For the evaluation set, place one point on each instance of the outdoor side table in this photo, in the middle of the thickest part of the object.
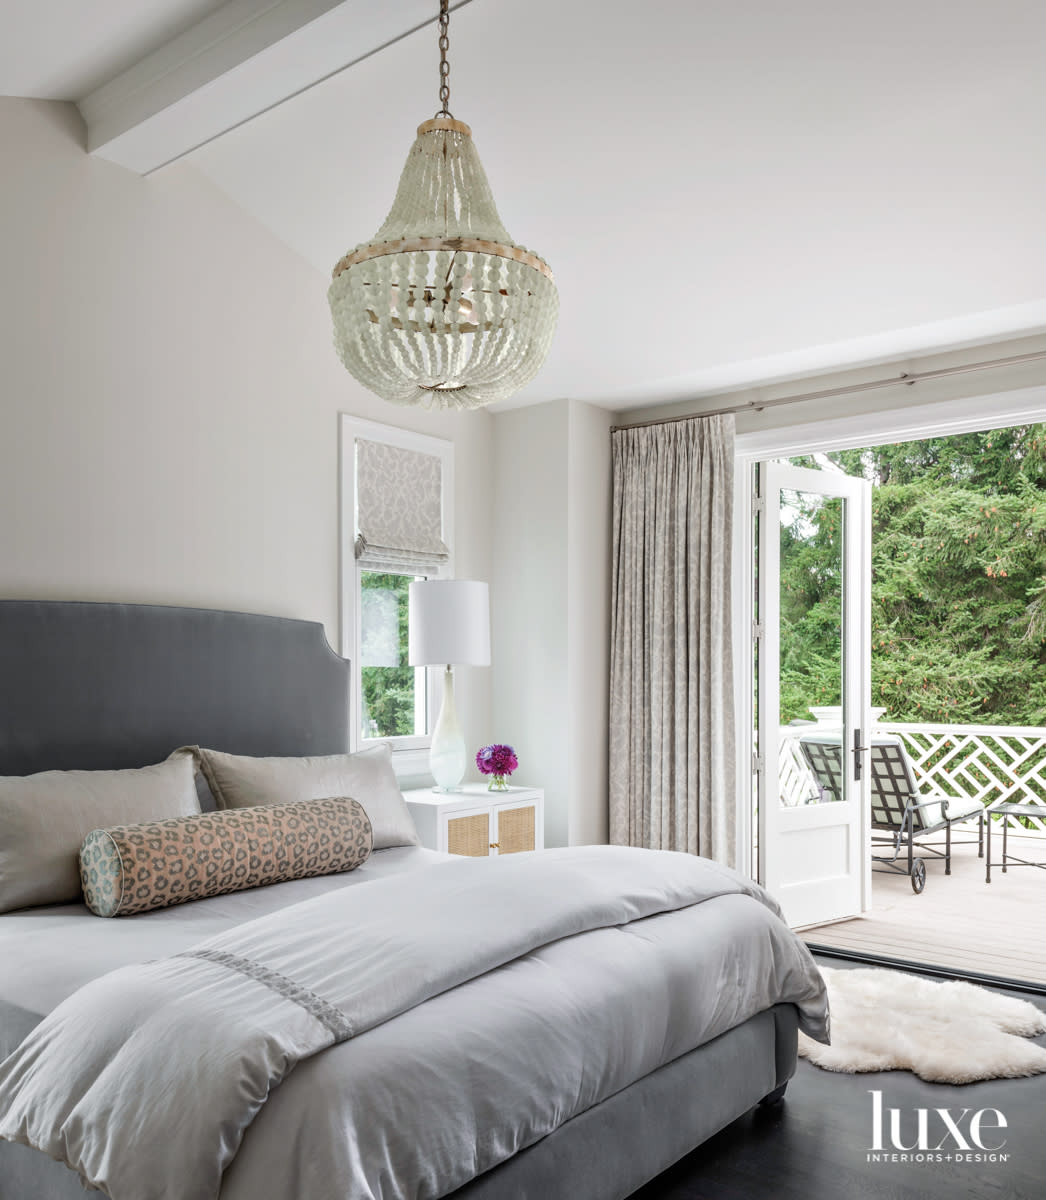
(1011, 810)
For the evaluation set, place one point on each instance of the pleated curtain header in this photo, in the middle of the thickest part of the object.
(399, 509)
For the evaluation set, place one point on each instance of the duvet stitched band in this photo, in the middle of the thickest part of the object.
(315, 1005)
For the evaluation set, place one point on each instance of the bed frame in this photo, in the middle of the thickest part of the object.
(97, 686)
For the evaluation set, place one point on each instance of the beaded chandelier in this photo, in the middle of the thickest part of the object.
(441, 308)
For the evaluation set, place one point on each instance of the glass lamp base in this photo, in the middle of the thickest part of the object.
(447, 755)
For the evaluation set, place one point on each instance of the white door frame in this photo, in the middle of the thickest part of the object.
(813, 857)
(997, 410)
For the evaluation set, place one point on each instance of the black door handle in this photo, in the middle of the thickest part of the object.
(858, 748)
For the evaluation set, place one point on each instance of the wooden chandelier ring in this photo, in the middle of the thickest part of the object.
(446, 124)
(411, 245)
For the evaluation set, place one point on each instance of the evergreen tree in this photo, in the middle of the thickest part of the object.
(958, 582)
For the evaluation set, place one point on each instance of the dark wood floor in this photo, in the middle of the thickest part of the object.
(814, 1145)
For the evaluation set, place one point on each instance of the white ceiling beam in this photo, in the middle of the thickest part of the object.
(246, 57)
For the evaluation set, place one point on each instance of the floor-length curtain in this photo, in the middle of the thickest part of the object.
(672, 770)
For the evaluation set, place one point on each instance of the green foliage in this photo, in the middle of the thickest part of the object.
(811, 603)
(958, 582)
(387, 691)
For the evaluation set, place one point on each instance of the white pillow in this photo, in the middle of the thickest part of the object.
(238, 781)
(44, 818)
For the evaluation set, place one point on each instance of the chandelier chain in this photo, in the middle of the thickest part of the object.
(444, 66)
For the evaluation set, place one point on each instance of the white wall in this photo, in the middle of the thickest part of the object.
(170, 397)
(588, 621)
(550, 602)
(529, 601)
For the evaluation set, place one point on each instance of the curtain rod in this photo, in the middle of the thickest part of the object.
(907, 378)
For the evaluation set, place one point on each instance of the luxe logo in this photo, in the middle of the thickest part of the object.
(936, 1129)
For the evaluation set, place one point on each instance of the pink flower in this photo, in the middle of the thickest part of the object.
(496, 760)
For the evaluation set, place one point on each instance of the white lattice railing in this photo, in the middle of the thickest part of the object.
(794, 777)
(986, 762)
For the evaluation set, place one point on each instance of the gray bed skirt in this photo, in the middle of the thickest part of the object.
(595, 1156)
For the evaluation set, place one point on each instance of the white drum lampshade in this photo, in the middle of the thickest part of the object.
(449, 624)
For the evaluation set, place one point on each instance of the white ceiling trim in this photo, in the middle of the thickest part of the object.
(905, 422)
(233, 65)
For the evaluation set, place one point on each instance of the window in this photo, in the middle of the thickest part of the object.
(397, 490)
(392, 693)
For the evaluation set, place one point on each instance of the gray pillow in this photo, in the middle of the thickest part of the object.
(45, 817)
(237, 781)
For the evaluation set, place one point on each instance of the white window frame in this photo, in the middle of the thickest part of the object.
(410, 754)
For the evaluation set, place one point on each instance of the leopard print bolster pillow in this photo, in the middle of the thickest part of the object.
(135, 868)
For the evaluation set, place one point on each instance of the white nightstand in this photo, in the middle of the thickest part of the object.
(477, 821)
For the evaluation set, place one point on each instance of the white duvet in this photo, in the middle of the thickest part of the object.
(472, 1008)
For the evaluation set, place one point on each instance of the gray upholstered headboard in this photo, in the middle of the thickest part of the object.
(96, 686)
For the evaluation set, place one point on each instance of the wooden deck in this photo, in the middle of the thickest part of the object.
(959, 920)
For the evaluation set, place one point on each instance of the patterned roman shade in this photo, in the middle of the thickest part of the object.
(399, 509)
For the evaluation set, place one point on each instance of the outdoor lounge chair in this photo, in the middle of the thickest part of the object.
(901, 816)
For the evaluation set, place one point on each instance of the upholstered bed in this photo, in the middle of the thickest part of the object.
(578, 1056)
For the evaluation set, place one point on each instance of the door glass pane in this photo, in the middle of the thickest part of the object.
(757, 616)
(812, 764)
(392, 693)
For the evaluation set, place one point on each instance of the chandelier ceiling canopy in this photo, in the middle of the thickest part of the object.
(441, 309)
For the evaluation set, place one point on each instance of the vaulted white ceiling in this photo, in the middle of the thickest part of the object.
(64, 49)
(728, 191)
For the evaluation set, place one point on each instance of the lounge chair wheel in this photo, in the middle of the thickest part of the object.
(918, 876)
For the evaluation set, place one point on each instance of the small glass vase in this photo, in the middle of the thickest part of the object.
(498, 783)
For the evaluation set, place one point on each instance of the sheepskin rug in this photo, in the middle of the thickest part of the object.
(945, 1032)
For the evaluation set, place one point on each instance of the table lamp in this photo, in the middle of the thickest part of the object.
(449, 623)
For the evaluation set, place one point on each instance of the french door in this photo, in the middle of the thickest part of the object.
(813, 651)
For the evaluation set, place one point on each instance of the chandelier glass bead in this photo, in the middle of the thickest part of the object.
(441, 308)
